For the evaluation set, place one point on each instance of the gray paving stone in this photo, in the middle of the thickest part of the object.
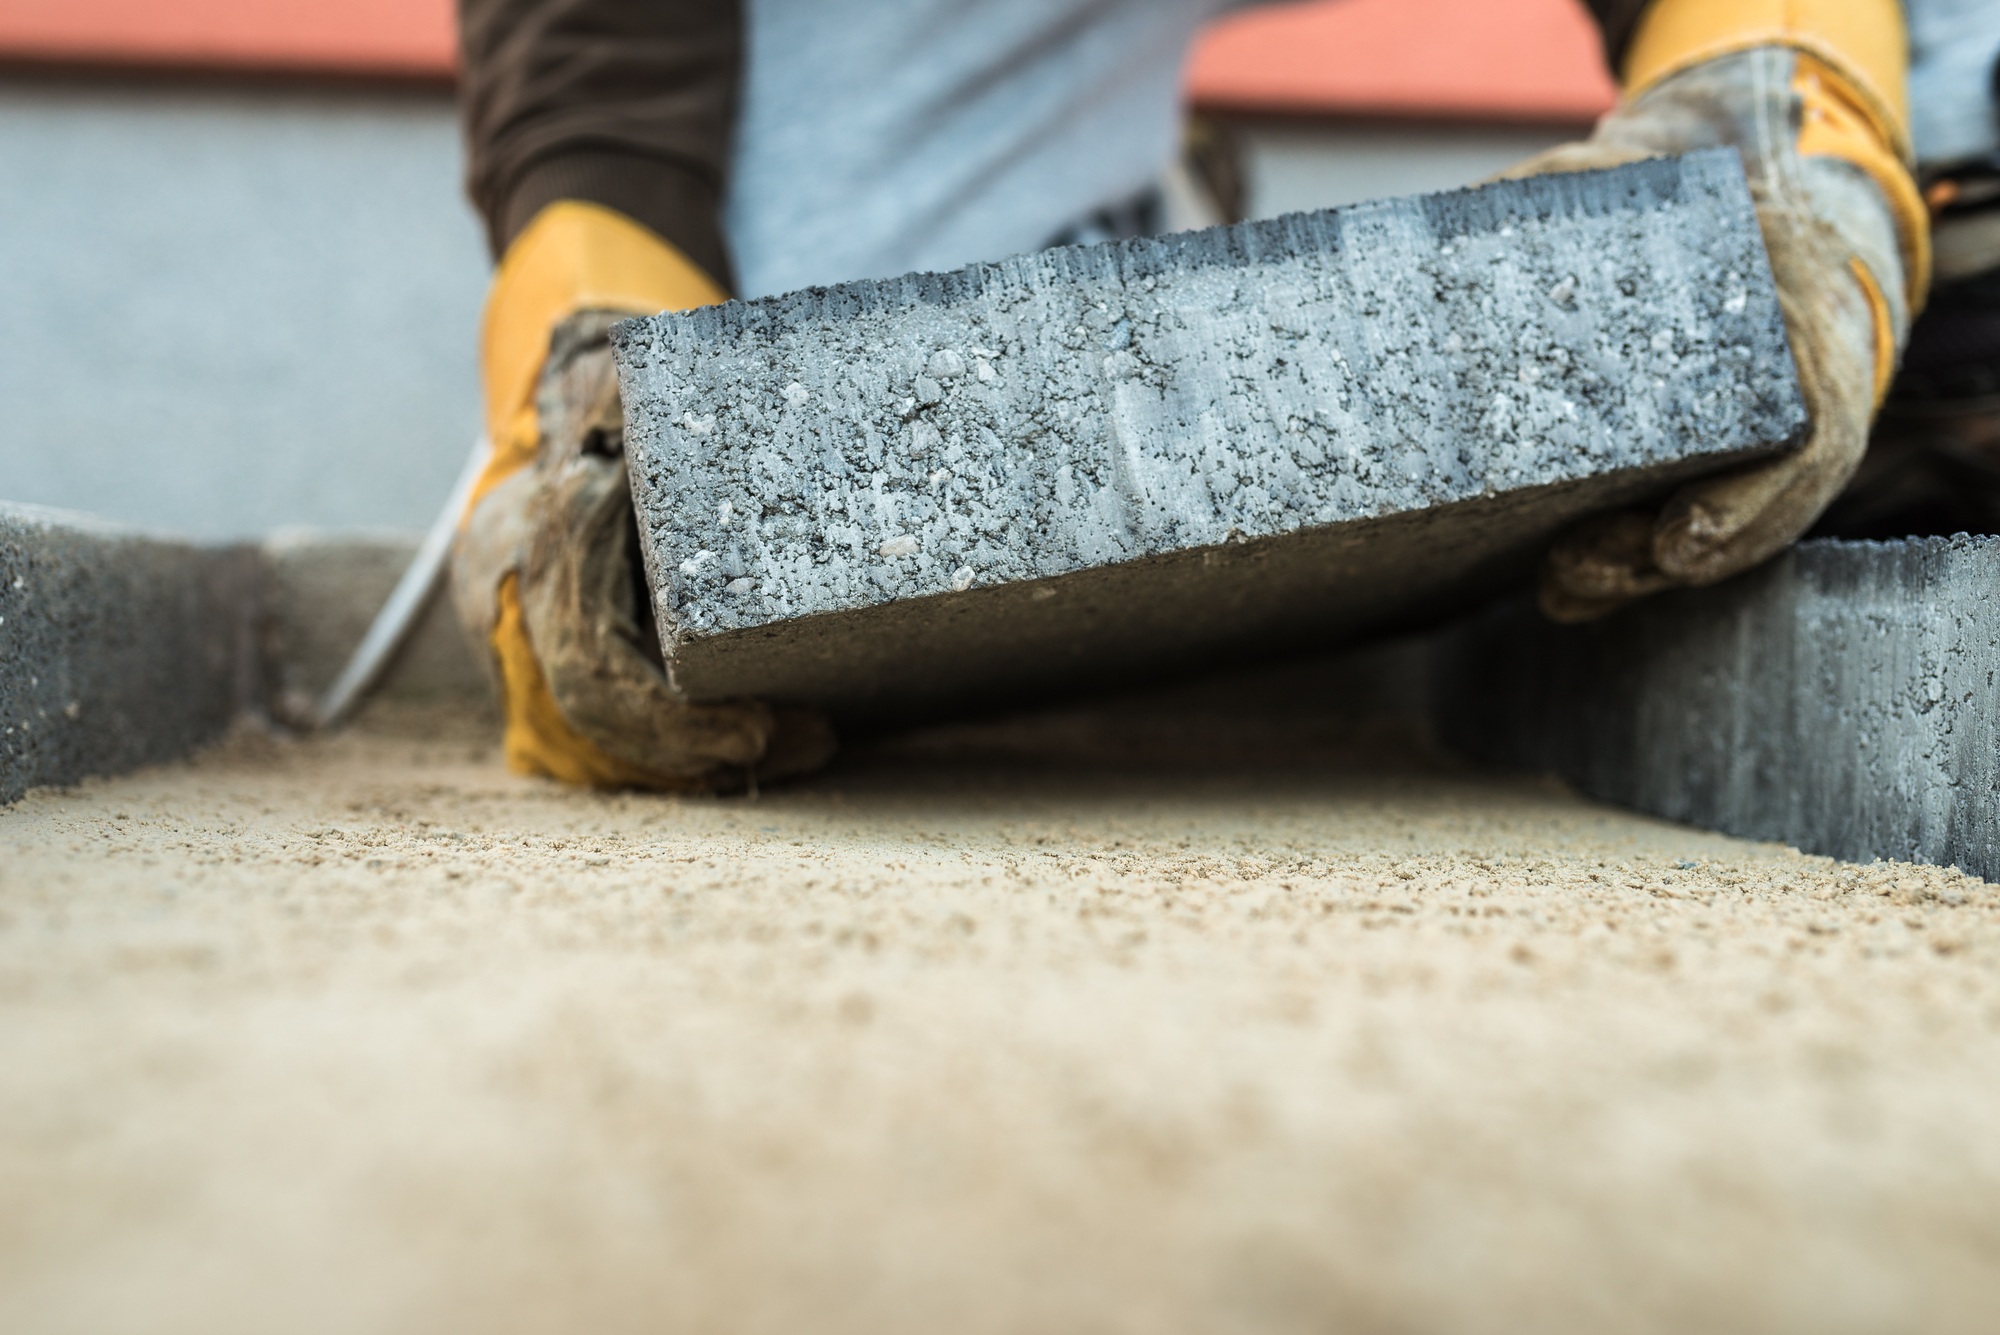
(1844, 700)
(117, 649)
(1088, 465)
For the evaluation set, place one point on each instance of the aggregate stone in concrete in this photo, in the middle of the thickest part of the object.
(117, 649)
(1090, 464)
(1844, 700)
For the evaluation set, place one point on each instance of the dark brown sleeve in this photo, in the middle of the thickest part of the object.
(1616, 19)
(624, 103)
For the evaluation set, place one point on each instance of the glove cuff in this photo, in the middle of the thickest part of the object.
(572, 257)
(1851, 78)
(1864, 42)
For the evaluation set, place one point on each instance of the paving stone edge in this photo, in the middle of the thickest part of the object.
(1844, 700)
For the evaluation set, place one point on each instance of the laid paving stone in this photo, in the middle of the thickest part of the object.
(1089, 465)
(1844, 699)
(117, 649)
(120, 648)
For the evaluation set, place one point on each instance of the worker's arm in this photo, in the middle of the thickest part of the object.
(1812, 93)
(627, 104)
(1616, 20)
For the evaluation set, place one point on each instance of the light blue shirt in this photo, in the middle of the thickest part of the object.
(877, 137)
(1953, 44)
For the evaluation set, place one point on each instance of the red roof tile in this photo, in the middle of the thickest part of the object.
(360, 37)
(1485, 59)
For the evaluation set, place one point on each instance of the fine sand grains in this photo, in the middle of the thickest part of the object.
(368, 1035)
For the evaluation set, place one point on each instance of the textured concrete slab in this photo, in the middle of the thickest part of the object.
(117, 648)
(1086, 465)
(1845, 700)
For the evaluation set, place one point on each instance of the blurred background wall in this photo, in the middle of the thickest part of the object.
(241, 285)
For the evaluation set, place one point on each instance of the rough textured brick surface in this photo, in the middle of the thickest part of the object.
(117, 649)
(1844, 699)
(1083, 464)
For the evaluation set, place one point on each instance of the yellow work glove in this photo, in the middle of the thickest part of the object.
(1812, 93)
(545, 572)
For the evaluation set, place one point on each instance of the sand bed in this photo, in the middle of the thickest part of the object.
(367, 1035)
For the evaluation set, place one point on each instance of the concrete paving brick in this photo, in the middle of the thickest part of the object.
(117, 648)
(1844, 700)
(1088, 465)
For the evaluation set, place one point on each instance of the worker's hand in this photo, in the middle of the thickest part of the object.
(1818, 119)
(546, 571)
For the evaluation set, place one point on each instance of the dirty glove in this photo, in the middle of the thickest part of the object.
(1812, 94)
(546, 568)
